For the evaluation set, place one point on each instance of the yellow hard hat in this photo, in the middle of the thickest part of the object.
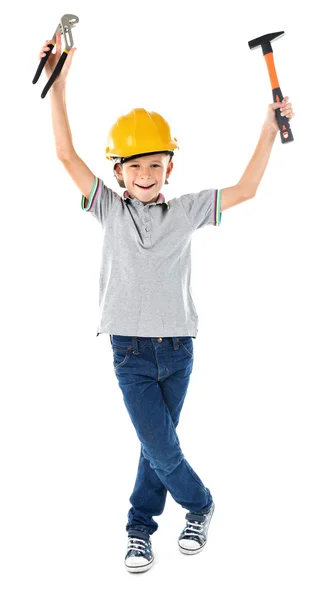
(139, 132)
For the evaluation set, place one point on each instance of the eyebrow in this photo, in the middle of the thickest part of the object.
(156, 162)
(137, 160)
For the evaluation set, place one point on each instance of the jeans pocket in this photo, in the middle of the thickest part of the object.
(121, 355)
(187, 345)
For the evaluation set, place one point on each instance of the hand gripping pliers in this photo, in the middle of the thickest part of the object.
(65, 25)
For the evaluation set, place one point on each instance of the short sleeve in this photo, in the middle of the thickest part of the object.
(203, 208)
(100, 201)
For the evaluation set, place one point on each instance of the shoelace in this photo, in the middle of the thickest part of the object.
(137, 544)
(193, 527)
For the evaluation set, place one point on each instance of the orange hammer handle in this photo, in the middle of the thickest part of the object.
(269, 58)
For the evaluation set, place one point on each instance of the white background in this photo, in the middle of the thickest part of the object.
(249, 425)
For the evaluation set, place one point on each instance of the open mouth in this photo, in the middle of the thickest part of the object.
(146, 187)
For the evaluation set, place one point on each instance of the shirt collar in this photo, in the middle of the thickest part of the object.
(160, 199)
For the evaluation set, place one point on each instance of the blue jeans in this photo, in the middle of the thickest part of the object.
(153, 375)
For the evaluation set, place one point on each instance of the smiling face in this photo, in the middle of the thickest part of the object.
(145, 176)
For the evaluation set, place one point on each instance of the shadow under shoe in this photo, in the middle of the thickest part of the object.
(139, 555)
(194, 535)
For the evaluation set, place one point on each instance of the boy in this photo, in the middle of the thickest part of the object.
(145, 298)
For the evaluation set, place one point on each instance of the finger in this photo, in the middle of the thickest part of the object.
(281, 105)
(44, 51)
(71, 53)
(58, 41)
(287, 108)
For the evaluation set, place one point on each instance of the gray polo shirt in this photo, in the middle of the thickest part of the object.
(145, 276)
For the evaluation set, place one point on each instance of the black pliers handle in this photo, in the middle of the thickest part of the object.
(64, 27)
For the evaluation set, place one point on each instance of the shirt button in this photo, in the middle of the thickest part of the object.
(159, 339)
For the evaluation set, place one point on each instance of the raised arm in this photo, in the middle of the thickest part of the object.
(247, 187)
(77, 169)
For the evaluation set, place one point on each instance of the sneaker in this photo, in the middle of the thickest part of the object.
(194, 535)
(139, 556)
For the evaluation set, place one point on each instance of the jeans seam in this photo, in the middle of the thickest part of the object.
(127, 355)
(189, 354)
(173, 428)
(199, 483)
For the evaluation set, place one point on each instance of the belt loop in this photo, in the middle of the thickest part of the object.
(135, 345)
(111, 339)
(175, 343)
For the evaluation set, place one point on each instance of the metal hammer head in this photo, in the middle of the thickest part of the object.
(264, 40)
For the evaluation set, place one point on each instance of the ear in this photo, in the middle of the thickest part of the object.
(169, 169)
(118, 171)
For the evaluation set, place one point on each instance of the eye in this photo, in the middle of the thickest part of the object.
(151, 166)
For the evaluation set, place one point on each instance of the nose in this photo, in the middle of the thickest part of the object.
(145, 171)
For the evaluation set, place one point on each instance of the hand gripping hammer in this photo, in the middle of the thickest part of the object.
(264, 42)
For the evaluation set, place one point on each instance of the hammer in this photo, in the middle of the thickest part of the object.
(264, 42)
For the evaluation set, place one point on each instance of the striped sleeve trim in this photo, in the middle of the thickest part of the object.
(217, 203)
(87, 203)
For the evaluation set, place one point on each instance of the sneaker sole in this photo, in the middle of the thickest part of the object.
(195, 551)
(140, 569)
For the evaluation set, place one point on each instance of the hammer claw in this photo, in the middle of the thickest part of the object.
(264, 40)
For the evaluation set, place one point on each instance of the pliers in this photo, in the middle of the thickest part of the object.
(64, 27)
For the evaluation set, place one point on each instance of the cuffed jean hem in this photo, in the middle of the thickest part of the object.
(139, 533)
